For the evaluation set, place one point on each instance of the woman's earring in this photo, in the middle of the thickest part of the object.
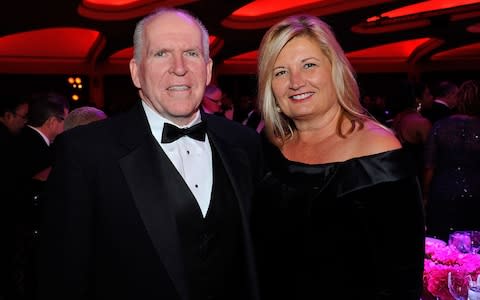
(278, 109)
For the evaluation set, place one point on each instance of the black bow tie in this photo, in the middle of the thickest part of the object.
(172, 133)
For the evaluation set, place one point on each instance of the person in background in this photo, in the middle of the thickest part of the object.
(452, 164)
(141, 209)
(34, 149)
(339, 210)
(253, 118)
(444, 101)
(410, 127)
(46, 115)
(424, 99)
(82, 116)
(212, 100)
(13, 117)
(227, 107)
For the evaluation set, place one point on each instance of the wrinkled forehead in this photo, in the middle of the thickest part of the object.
(173, 24)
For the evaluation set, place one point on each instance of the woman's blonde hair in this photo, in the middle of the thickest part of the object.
(276, 123)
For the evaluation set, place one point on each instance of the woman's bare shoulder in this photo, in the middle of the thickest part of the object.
(374, 138)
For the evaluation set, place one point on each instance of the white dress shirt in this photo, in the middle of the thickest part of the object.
(191, 158)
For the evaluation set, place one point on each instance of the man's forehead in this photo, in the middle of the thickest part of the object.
(174, 22)
(175, 29)
(174, 42)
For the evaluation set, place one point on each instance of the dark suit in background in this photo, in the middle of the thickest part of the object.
(36, 156)
(47, 110)
(439, 111)
(444, 103)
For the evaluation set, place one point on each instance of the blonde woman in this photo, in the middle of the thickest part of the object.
(340, 210)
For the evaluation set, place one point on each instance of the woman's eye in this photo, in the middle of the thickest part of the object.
(309, 65)
(279, 73)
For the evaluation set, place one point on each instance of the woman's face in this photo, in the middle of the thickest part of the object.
(302, 80)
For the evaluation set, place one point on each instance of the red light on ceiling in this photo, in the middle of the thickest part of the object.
(467, 52)
(110, 2)
(123, 54)
(251, 56)
(75, 43)
(123, 9)
(423, 7)
(393, 50)
(263, 7)
(475, 28)
(264, 13)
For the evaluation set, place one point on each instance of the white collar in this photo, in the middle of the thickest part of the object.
(45, 138)
(157, 121)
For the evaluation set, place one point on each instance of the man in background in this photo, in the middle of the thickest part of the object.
(46, 115)
(445, 101)
(212, 100)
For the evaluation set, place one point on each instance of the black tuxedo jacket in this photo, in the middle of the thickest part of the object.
(108, 231)
(33, 156)
(439, 111)
(34, 153)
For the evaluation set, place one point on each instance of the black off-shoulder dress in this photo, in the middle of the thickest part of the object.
(354, 229)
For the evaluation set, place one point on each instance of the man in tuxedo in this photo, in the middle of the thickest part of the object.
(46, 114)
(141, 209)
(445, 101)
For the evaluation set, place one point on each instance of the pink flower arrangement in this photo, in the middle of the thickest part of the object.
(441, 259)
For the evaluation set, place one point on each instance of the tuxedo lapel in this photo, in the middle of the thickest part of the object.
(235, 162)
(142, 168)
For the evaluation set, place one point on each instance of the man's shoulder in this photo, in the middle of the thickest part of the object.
(29, 137)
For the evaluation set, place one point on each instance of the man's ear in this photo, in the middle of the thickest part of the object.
(134, 73)
(209, 71)
(8, 115)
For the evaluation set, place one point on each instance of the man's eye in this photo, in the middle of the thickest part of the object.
(160, 53)
(192, 53)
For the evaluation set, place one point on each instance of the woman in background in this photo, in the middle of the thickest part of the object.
(340, 210)
(452, 172)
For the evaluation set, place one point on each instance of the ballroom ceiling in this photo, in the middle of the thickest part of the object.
(88, 37)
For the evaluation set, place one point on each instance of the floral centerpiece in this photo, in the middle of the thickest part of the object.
(441, 259)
